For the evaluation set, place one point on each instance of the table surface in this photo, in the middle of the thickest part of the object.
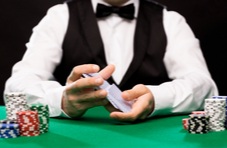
(96, 129)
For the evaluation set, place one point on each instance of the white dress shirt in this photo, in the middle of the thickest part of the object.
(183, 59)
(117, 34)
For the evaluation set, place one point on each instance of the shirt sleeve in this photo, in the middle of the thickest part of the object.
(191, 81)
(33, 75)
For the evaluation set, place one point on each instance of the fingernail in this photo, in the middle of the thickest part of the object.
(126, 93)
(96, 67)
(102, 93)
(98, 80)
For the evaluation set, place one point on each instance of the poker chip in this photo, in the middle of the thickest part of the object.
(198, 112)
(9, 129)
(185, 123)
(8, 126)
(9, 133)
(5, 121)
(30, 133)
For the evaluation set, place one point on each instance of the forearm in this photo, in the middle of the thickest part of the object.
(183, 95)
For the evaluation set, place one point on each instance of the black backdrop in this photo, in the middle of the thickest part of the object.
(207, 18)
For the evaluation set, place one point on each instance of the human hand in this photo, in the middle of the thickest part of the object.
(79, 94)
(142, 107)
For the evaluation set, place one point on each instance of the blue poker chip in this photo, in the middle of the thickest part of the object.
(9, 133)
(9, 126)
(6, 121)
(219, 97)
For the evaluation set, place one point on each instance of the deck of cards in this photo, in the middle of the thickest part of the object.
(114, 95)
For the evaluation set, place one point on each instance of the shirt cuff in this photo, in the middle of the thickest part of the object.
(162, 105)
(63, 114)
(54, 98)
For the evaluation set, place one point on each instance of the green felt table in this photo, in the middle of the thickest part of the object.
(97, 129)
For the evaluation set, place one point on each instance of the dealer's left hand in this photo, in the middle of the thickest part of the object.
(141, 108)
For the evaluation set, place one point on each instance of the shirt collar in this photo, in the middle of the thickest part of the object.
(135, 2)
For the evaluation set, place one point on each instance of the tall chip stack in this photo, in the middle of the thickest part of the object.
(215, 109)
(15, 102)
(223, 97)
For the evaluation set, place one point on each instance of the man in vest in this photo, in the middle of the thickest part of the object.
(148, 52)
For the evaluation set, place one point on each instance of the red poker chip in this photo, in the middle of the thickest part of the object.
(29, 129)
(185, 123)
(198, 112)
(27, 112)
(28, 121)
(30, 133)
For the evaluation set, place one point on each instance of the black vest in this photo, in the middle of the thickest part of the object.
(83, 44)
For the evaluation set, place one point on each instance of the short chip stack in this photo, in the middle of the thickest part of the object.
(28, 123)
(23, 119)
(198, 124)
(9, 129)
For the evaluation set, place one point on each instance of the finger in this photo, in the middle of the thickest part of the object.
(135, 92)
(79, 70)
(133, 115)
(129, 117)
(82, 85)
(143, 106)
(107, 71)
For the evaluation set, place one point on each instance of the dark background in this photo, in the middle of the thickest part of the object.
(207, 18)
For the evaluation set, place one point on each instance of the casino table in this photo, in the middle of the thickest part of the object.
(97, 129)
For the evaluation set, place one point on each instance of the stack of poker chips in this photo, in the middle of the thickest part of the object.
(9, 129)
(197, 123)
(28, 123)
(223, 97)
(23, 119)
(215, 109)
(43, 114)
(15, 102)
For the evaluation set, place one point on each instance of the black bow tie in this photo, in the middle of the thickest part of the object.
(124, 11)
